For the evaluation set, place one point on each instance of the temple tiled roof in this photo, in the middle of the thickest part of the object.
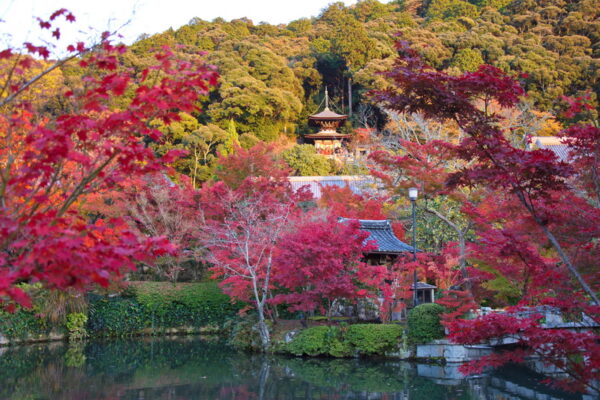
(552, 143)
(380, 231)
(423, 285)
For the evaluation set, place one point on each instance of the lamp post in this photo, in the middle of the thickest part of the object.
(412, 195)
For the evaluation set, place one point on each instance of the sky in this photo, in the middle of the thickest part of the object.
(131, 18)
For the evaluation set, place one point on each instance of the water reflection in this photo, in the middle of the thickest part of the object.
(190, 368)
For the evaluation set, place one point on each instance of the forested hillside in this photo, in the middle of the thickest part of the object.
(272, 77)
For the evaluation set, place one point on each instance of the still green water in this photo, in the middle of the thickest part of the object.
(192, 368)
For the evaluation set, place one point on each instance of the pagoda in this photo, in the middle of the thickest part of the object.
(327, 140)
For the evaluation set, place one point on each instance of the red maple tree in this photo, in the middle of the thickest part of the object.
(537, 182)
(50, 163)
(241, 228)
(321, 262)
(155, 206)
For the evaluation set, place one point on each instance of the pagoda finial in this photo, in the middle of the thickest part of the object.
(326, 98)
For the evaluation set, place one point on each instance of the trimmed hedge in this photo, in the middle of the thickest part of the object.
(320, 341)
(424, 323)
(115, 316)
(374, 339)
(195, 304)
(159, 306)
(359, 339)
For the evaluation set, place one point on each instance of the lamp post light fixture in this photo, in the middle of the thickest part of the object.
(413, 193)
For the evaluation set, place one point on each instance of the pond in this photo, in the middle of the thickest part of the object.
(194, 368)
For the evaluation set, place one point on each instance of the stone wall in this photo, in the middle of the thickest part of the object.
(451, 352)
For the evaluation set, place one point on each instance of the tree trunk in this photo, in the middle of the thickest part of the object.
(349, 97)
(195, 168)
(563, 256)
(273, 310)
(565, 259)
(263, 330)
(462, 260)
(462, 247)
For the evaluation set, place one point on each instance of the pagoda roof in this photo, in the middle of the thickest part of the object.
(327, 114)
(326, 135)
(381, 233)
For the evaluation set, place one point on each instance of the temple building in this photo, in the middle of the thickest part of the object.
(327, 140)
(381, 234)
(388, 249)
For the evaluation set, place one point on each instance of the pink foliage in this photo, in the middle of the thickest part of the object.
(322, 260)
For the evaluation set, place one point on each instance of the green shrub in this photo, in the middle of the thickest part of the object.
(319, 341)
(115, 316)
(363, 339)
(154, 305)
(374, 338)
(21, 324)
(424, 323)
(76, 326)
(159, 306)
(191, 304)
(48, 313)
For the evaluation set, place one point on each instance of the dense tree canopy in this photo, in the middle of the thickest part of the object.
(273, 77)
